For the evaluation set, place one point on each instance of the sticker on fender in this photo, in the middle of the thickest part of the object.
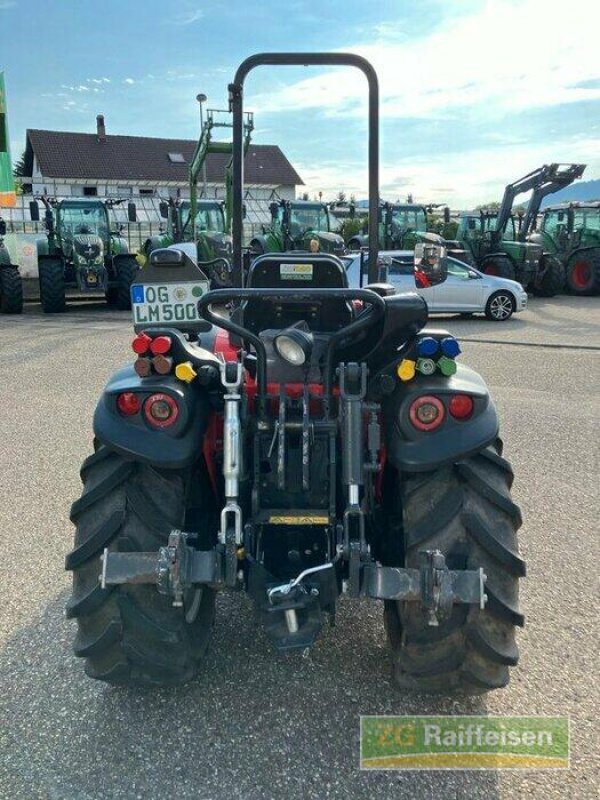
(168, 303)
(296, 272)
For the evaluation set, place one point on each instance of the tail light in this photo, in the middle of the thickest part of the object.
(426, 413)
(161, 410)
(461, 406)
(128, 404)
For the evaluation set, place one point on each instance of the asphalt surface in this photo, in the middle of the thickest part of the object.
(257, 724)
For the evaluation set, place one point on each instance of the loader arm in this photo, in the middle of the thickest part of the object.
(561, 176)
(530, 181)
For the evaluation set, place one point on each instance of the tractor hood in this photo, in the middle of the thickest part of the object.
(88, 248)
(219, 244)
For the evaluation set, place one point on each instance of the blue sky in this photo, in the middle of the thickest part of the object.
(474, 94)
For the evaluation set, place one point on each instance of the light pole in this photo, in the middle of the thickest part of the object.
(201, 98)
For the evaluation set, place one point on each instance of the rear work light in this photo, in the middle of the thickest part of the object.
(161, 410)
(460, 406)
(426, 413)
(128, 404)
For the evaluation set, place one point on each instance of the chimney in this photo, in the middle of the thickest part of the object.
(100, 128)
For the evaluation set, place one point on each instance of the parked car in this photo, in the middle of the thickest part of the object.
(467, 291)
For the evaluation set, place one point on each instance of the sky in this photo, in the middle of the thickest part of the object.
(474, 94)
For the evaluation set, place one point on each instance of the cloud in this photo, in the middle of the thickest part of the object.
(187, 17)
(129, 81)
(506, 56)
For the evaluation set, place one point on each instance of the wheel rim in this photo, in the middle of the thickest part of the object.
(501, 307)
(581, 274)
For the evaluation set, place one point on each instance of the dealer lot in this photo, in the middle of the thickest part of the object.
(258, 724)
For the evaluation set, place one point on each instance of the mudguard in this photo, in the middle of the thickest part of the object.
(411, 450)
(172, 448)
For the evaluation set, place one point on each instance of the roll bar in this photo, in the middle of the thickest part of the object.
(236, 106)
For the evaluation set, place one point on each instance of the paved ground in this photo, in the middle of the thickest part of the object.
(257, 724)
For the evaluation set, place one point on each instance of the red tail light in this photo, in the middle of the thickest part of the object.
(141, 343)
(128, 404)
(160, 345)
(161, 410)
(460, 406)
(426, 413)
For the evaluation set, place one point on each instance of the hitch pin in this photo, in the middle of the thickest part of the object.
(286, 588)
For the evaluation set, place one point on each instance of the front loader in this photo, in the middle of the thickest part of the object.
(82, 253)
(317, 440)
(496, 247)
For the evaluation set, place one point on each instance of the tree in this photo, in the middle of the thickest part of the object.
(305, 196)
(341, 196)
(19, 167)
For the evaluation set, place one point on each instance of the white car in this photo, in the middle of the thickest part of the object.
(466, 290)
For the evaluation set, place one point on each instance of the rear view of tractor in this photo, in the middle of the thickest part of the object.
(81, 253)
(294, 225)
(572, 233)
(317, 440)
(399, 226)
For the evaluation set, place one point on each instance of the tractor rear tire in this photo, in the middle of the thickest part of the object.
(52, 285)
(11, 291)
(499, 267)
(553, 280)
(130, 634)
(464, 510)
(126, 270)
(583, 273)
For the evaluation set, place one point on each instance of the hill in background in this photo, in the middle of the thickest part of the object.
(580, 191)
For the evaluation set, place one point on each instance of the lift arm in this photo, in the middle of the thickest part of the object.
(530, 181)
(561, 175)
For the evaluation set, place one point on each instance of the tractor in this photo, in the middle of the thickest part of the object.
(11, 286)
(317, 440)
(571, 232)
(297, 225)
(498, 247)
(203, 227)
(81, 252)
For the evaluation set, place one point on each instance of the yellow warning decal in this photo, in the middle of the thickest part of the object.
(290, 520)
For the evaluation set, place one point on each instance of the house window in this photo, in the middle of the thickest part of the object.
(90, 191)
(146, 192)
(176, 158)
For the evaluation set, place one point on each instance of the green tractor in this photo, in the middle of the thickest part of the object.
(81, 252)
(203, 227)
(11, 287)
(571, 233)
(399, 226)
(295, 225)
(498, 247)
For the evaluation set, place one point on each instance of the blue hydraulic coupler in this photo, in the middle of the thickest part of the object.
(427, 346)
(450, 347)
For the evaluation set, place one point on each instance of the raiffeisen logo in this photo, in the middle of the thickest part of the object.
(464, 743)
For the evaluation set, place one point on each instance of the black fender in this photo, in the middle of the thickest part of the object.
(262, 240)
(176, 447)
(411, 450)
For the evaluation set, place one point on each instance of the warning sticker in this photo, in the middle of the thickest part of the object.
(296, 272)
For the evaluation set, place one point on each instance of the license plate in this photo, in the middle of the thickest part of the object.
(168, 303)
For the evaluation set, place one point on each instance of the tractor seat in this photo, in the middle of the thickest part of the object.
(297, 271)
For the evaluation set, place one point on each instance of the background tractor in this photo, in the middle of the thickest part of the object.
(398, 227)
(294, 224)
(316, 440)
(202, 222)
(571, 232)
(81, 252)
(498, 247)
(11, 286)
